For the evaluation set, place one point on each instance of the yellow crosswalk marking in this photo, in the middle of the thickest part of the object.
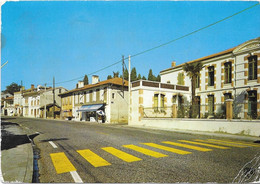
(120, 154)
(93, 158)
(61, 163)
(187, 146)
(204, 144)
(145, 151)
(226, 144)
(235, 142)
(167, 148)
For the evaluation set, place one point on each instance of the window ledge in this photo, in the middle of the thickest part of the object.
(251, 81)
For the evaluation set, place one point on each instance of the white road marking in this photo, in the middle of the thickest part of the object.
(53, 145)
(76, 177)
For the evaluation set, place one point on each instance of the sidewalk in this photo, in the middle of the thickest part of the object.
(222, 135)
(16, 154)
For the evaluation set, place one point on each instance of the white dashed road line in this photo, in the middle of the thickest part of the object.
(76, 177)
(53, 145)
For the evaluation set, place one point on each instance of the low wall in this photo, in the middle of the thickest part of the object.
(251, 128)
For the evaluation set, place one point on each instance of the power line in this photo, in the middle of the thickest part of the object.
(164, 44)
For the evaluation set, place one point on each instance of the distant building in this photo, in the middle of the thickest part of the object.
(35, 99)
(104, 101)
(230, 74)
(8, 107)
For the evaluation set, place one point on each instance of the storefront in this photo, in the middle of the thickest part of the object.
(92, 113)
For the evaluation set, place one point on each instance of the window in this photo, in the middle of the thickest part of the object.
(174, 98)
(94, 96)
(81, 98)
(180, 78)
(252, 68)
(228, 72)
(168, 82)
(59, 90)
(155, 101)
(162, 101)
(227, 96)
(211, 76)
(180, 100)
(76, 98)
(98, 94)
(197, 81)
(211, 104)
(87, 96)
(113, 95)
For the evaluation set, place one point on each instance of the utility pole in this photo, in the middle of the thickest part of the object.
(123, 62)
(45, 101)
(53, 98)
(129, 87)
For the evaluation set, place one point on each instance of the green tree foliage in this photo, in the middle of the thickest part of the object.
(158, 78)
(125, 74)
(151, 77)
(143, 78)
(13, 87)
(85, 80)
(115, 74)
(133, 74)
(139, 77)
(193, 70)
(109, 77)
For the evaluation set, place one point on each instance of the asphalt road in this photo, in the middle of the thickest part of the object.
(60, 161)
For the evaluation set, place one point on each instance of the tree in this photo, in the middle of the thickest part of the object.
(139, 77)
(109, 77)
(193, 70)
(133, 74)
(85, 80)
(158, 78)
(151, 77)
(115, 74)
(126, 74)
(143, 78)
(13, 87)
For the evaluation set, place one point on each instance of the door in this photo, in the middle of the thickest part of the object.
(252, 104)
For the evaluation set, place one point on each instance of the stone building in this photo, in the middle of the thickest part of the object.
(230, 74)
(104, 101)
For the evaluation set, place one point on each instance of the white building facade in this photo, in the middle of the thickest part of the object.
(151, 99)
(231, 74)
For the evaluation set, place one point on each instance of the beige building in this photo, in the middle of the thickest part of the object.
(105, 101)
(151, 99)
(230, 74)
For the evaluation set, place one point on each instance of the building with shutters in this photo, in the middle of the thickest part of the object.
(101, 101)
(230, 74)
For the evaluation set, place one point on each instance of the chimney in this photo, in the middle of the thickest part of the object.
(32, 86)
(22, 88)
(173, 64)
(95, 79)
(80, 84)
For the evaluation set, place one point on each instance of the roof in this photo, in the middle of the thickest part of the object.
(204, 58)
(115, 81)
(9, 98)
(228, 51)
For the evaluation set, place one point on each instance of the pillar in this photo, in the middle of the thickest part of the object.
(174, 110)
(229, 109)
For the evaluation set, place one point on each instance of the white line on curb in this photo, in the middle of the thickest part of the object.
(53, 145)
(76, 177)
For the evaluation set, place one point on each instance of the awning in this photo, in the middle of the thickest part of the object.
(89, 108)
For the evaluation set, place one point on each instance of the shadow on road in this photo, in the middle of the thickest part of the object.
(60, 139)
(10, 140)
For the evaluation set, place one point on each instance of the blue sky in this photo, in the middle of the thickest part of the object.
(70, 39)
